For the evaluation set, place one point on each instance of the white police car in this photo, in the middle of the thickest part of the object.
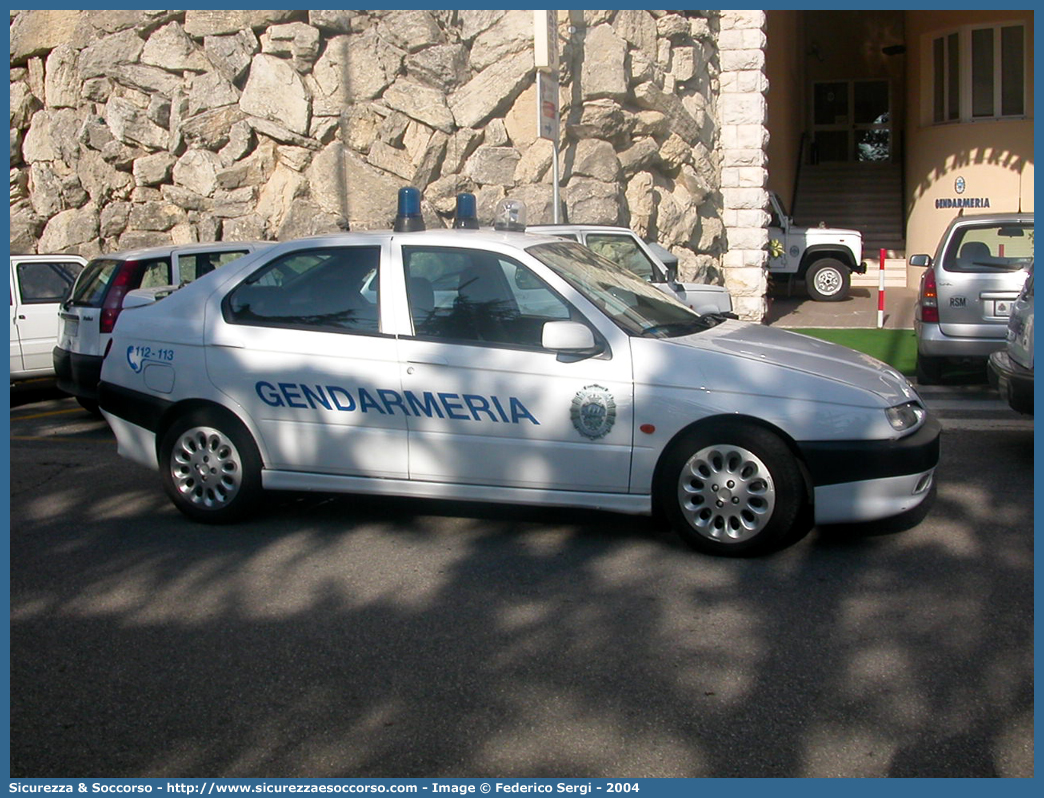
(504, 367)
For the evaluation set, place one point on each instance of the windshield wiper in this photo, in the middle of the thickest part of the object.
(678, 328)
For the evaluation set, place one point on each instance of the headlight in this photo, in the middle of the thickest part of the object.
(905, 417)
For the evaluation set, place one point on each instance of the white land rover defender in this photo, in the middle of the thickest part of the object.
(824, 257)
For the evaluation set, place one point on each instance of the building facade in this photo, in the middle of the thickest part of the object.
(893, 122)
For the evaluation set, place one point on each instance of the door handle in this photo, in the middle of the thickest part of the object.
(411, 365)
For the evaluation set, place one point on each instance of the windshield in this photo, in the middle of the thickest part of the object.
(624, 250)
(636, 306)
(774, 220)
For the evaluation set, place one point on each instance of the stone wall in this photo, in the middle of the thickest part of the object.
(132, 128)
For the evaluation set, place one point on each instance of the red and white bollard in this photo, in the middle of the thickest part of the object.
(881, 292)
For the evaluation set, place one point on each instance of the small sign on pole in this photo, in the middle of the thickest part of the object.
(547, 106)
(545, 40)
(547, 128)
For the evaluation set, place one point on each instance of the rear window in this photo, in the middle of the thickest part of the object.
(98, 276)
(994, 247)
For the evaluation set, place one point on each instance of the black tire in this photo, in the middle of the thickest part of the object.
(828, 280)
(757, 506)
(210, 467)
(929, 369)
(90, 405)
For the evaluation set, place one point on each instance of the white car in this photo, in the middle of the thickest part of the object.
(824, 257)
(504, 367)
(90, 310)
(38, 285)
(651, 262)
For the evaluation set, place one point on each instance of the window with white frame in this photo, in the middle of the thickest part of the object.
(979, 72)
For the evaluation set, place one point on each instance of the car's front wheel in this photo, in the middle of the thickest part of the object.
(733, 490)
(210, 466)
(828, 280)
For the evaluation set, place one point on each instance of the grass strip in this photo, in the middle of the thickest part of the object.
(897, 348)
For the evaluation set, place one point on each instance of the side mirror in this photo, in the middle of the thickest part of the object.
(668, 260)
(567, 336)
(920, 260)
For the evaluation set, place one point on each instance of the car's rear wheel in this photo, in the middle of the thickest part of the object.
(90, 405)
(210, 467)
(929, 369)
(828, 280)
(734, 490)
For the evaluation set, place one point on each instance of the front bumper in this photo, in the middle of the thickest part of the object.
(1012, 381)
(77, 374)
(868, 480)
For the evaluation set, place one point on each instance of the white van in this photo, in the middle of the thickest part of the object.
(39, 283)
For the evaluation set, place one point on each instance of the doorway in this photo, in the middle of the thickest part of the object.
(851, 121)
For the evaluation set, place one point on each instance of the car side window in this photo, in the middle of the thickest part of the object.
(622, 250)
(40, 283)
(196, 264)
(155, 274)
(331, 289)
(477, 296)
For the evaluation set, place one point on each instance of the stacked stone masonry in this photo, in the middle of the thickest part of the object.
(134, 128)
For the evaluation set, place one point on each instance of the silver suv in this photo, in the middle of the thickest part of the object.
(968, 289)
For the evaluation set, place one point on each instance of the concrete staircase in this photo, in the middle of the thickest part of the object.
(895, 273)
(867, 197)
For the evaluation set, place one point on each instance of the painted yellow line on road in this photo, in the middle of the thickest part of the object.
(45, 415)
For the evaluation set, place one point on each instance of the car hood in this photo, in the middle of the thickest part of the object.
(751, 358)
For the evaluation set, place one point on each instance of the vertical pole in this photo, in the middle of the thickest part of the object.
(557, 213)
(545, 58)
(881, 292)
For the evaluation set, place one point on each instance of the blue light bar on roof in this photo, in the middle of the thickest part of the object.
(409, 218)
(467, 215)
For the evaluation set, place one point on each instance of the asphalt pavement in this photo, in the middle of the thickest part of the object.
(365, 637)
(857, 310)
